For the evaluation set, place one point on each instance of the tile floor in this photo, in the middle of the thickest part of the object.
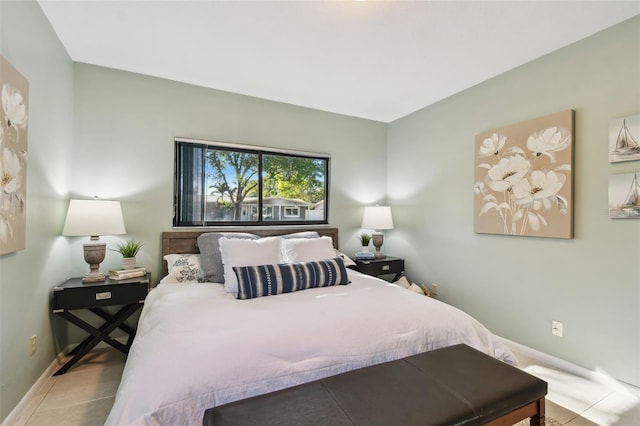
(574, 400)
(84, 395)
(81, 397)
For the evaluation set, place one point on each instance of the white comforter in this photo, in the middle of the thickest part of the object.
(198, 347)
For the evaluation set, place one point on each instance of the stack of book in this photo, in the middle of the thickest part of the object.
(125, 274)
(365, 256)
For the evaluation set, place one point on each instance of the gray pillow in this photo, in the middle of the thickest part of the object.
(210, 257)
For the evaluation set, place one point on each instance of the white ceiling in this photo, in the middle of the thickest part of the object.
(379, 60)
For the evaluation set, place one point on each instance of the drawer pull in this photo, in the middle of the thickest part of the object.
(386, 267)
(103, 296)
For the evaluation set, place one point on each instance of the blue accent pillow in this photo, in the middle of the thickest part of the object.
(267, 280)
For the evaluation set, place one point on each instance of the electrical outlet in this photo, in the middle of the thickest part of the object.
(434, 289)
(556, 328)
(34, 342)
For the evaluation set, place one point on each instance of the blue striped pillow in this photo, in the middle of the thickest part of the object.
(267, 280)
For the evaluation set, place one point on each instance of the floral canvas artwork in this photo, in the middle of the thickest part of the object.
(13, 157)
(624, 139)
(524, 178)
(624, 196)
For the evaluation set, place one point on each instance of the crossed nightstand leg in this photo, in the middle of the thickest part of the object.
(397, 276)
(112, 322)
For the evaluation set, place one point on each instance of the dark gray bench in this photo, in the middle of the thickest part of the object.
(456, 385)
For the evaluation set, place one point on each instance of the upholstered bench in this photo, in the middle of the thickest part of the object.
(456, 385)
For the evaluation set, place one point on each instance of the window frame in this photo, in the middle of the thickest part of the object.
(179, 181)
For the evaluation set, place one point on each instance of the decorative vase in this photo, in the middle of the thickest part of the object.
(128, 262)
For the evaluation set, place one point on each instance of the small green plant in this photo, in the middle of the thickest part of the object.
(364, 239)
(129, 248)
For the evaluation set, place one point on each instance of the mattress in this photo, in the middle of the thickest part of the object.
(198, 347)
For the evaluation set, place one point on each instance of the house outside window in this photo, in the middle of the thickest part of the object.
(219, 183)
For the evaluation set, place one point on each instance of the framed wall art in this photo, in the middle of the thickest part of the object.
(524, 178)
(624, 139)
(624, 196)
(13, 158)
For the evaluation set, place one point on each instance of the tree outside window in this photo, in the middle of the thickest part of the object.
(233, 183)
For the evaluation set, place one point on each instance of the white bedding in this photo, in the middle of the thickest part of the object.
(198, 347)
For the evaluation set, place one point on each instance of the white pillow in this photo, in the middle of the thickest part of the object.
(183, 268)
(237, 252)
(296, 250)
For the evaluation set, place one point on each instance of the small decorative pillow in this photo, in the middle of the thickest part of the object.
(416, 289)
(402, 282)
(183, 268)
(296, 250)
(267, 280)
(237, 252)
(346, 259)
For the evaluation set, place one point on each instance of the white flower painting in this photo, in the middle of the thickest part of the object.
(14, 116)
(524, 178)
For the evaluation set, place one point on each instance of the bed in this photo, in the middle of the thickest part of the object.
(198, 346)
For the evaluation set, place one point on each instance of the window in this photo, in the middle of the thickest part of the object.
(291, 212)
(219, 183)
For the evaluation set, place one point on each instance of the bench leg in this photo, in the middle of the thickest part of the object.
(538, 418)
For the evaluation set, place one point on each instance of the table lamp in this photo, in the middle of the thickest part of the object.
(94, 218)
(377, 218)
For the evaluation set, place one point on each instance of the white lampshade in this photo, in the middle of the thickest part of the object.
(94, 218)
(377, 217)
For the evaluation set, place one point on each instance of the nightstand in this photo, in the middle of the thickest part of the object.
(383, 266)
(73, 294)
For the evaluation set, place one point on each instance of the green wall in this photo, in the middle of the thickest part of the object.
(124, 125)
(517, 285)
(26, 277)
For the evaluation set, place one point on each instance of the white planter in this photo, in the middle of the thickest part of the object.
(128, 262)
(364, 249)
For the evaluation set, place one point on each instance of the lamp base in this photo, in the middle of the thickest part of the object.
(94, 255)
(378, 239)
(94, 278)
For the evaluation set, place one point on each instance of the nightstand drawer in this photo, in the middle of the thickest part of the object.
(93, 296)
(384, 266)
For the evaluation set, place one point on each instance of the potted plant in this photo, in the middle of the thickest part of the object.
(129, 249)
(364, 242)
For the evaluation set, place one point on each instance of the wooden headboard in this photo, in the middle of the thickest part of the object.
(185, 241)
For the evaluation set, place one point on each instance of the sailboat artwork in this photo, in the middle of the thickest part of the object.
(624, 139)
(624, 196)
